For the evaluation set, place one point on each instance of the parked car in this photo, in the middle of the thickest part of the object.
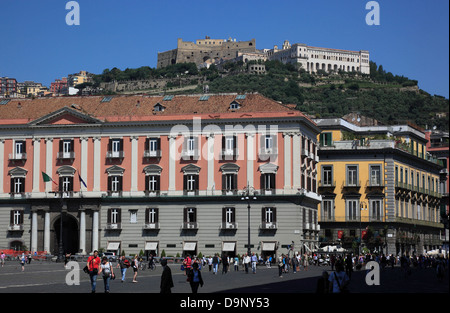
(110, 255)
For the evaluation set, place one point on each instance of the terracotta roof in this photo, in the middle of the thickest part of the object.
(141, 107)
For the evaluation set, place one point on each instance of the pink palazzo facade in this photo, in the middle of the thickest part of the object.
(183, 174)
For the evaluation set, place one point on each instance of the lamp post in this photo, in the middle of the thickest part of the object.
(362, 207)
(248, 195)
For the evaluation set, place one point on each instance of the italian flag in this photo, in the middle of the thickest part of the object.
(47, 178)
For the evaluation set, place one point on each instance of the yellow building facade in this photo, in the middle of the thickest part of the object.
(377, 183)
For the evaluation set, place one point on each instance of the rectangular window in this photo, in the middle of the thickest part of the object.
(327, 210)
(17, 185)
(229, 182)
(19, 150)
(375, 175)
(327, 174)
(151, 215)
(115, 184)
(326, 140)
(376, 210)
(66, 184)
(16, 217)
(228, 216)
(114, 218)
(153, 183)
(190, 184)
(352, 210)
(269, 215)
(133, 216)
(352, 175)
(269, 181)
(190, 217)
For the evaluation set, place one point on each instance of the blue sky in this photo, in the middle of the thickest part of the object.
(37, 44)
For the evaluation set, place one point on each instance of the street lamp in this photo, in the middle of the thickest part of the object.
(362, 207)
(248, 195)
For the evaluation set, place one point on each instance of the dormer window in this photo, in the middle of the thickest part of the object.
(234, 105)
(158, 107)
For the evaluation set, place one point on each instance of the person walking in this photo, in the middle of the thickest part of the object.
(135, 266)
(305, 262)
(236, 264)
(107, 272)
(224, 264)
(123, 264)
(93, 264)
(339, 279)
(280, 265)
(254, 261)
(166, 278)
(215, 263)
(210, 260)
(23, 260)
(195, 278)
(246, 262)
(187, 262)
(2, 258)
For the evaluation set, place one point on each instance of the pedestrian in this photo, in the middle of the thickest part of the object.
(254, 261)
(339, 279)
(294, 264)
(280, 266)
(323, 284)
(29, 258)
(93, 264)
(195, 278)
(187, 262)
(135, 266)
(215, 263)
(236, 264)
(305, 262)
(2, 258)
(23, 260)
(224, 264)
(166, 278)
(123, 264)
(349, 266)
(66, 259)
(107, 272)
(210, 260)
(246, 262)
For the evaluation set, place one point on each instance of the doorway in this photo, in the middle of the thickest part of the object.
(70, 240)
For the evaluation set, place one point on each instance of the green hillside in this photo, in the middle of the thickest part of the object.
(389, 98)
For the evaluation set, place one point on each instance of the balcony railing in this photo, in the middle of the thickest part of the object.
(113, 226)
(151, 226)
(229, 154)
(325, 184)
(189, 225)
(17, 156)
(228, 225)
(152, 153)
(115, 154)
(268, 225)
(265, 153)
(65, 155)
(15, 227)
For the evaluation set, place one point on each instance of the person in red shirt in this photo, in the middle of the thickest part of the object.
(187, 264)
(93, 264)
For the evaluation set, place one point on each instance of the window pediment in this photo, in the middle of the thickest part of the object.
(268, 168)
(18, 172)
(115, 170)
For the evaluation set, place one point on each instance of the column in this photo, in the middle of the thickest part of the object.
(36, 164)
(49, 162)
(210, 158)
(34, 231)
(95, 230)
(84, 162)
(134, 163)
(297, 157)
(82, 231)
(97, 158)
(47, 231)
(251, 155)
(172, 158)
(287, 160)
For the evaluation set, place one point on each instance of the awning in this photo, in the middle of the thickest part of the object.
(268, 246)
(228, 246)
(151, 245)
(307, 248)
(189, 246)
(113, 246)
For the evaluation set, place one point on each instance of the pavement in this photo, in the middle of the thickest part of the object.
(50, 277)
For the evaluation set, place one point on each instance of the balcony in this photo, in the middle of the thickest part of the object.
(113, 226)
(229, 192)
(189, 225)
(189, 154)
(115, 154)
(229, 154)
(152, 193)
(354, 184)
(228, 225)
(17, 156)
(327, 184)
(15, 227)
(374, 183)
(65, 155)
(150, 226)
(268, 226)
(152, 153)
(266, 153)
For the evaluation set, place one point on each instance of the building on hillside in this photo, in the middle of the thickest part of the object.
(204, 49)
(8, 87)
(313, 59)
(438, 145)
(79, 78)
(380, 184)
(182, 174)
(59, 85)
